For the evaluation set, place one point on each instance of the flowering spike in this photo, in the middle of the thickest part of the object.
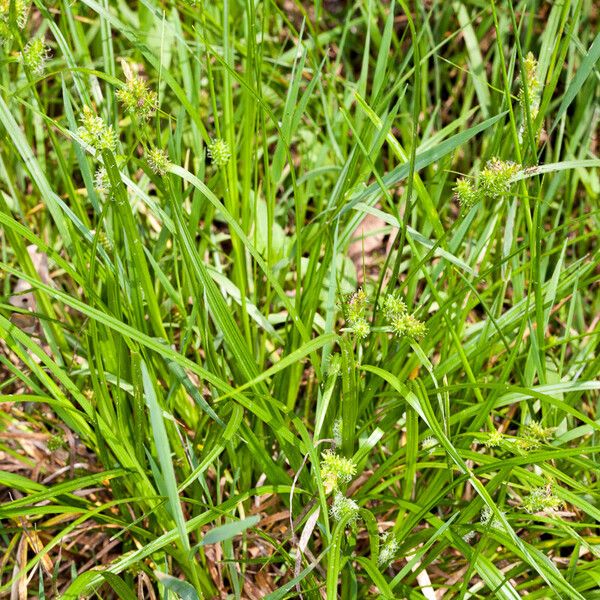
(494, 439)
(409, 326)
(535, 430)
(355, 314)
(393, 307)
(466, 193)
(389, 547)
(541, 499)
(337, 432)
(343, 507)
(95, 132)
(136, 97)
(158, 161)
(496, 178)
(219, 152)
(488, 517)
(336, 469)
(21, 11)
(429, 444)
(101, 181)
(35, 55)
(534, 87)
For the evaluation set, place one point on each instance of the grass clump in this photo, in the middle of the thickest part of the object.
(299, 299)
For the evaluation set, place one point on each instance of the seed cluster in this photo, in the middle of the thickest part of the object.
(137, 98)
(158, 161)
(95, 132)
(541, 499)
(356, 307)
(402, 323)
(494, 181)
(21, 12)
(35, 55)
(336, 470)
(219, 152)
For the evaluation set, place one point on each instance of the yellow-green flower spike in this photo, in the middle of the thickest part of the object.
(21, 12)
(95, 132)
(219, 152)
(343, 507)
(137, 98)
(158, 161)
(541, 499)
(466, 193)
(35, 55)
(336, 470)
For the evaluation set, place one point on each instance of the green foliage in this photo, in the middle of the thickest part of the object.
(249, 342)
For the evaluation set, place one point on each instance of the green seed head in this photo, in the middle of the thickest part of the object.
(466, 193)
(409, 326)
(428, 444)
(21, 12)
(494, 439)
(95, 133)
(389, 547)
(56, 442)
(337, 432)
(343, 507)
(355, 309)
(393, 307)
(536, 431)
(533, 85)
(541, 499)
(360, 328)
(335, 470)
(495, 179)
(219, 152)
(137, 98)
(35, 55)
(158, 161)
(488, 517)
(101, 181)
(104, 242)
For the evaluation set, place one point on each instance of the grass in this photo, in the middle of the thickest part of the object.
(317, 317)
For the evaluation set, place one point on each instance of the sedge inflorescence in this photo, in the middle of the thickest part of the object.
(401, 322)
(95, 132)
(219, 152)
(336, 470)
(533, 435)
(101, 181)
(21, 14)
(494, 181)
(536, 431)
(488, 518)
(356, 308)
(136, 96)
(158, 160)
(496, 178)
(494, 439)
(389, 547)
(337, 432)
(429, 444)
(541, 499)
(531, 100)
(35, 55)
(343, 507)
